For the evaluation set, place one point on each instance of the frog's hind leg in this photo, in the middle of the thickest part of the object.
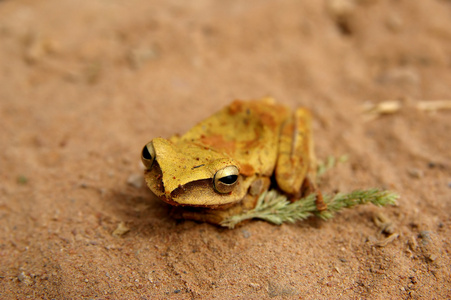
(296, 164)
(296, 159)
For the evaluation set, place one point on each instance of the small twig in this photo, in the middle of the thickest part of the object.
(393, 106)
(275, 208)
(384, 107)
(434, 105)
(387, 240)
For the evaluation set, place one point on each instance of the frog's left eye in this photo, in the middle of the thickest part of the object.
(148, 155)
(226, 179)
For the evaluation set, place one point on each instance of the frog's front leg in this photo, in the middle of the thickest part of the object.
(296, 164)
(214, 215)
(219, 214)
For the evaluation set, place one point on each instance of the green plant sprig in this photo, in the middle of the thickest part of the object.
(275, 208)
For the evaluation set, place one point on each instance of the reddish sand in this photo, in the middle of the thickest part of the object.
(85, 84)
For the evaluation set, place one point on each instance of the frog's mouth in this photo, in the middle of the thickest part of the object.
(199, 193)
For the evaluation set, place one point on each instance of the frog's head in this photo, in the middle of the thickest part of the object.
(189, 174)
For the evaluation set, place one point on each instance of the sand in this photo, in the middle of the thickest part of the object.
(85, 84)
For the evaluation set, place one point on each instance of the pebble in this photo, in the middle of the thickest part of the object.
(416, 173)
(121, 229)
(246, 234)
(25, 279)
(340, 8)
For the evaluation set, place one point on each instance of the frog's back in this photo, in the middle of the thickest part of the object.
(247, 131)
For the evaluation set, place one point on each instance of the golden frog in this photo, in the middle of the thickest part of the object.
(221, 166)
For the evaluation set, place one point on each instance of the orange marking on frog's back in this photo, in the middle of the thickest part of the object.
(268, 120)
(235, 107)
(218, 143)
(247, 170)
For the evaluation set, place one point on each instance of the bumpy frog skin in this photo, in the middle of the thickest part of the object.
(221, 166)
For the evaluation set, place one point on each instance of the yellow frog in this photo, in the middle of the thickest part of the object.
(221, 166)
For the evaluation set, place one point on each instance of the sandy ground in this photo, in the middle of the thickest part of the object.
(85, 84)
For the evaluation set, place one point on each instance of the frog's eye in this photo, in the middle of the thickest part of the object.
(148, 155)
(226, 179)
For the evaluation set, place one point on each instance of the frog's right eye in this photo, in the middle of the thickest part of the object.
(148, 155)
(226, 179)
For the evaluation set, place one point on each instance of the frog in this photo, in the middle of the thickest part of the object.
(222, 165)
